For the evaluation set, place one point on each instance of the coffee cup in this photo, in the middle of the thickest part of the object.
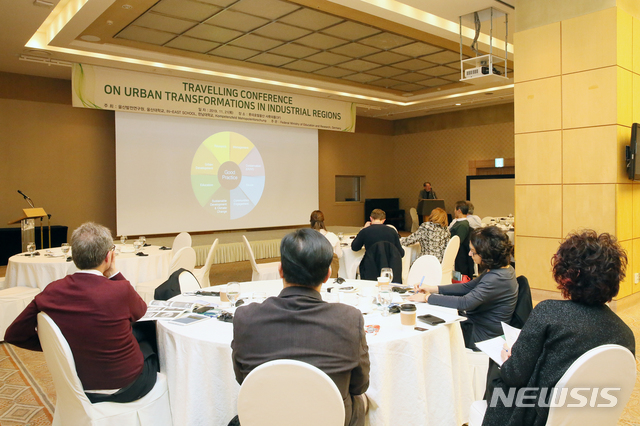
(408, 313)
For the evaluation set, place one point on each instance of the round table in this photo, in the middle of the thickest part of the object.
(39, 271)
(416, 378)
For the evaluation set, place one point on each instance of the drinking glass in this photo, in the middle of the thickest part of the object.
(385, 297)
(123, 239)
(387, 272)
(143, 239)
(259, 296)
(64, 247)
(136, 245)
(233, 292)
(31, 248)
(340, 236)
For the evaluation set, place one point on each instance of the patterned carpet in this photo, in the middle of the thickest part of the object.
(27, 395)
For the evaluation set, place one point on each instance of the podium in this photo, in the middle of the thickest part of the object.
(426, 206)
(28, 226)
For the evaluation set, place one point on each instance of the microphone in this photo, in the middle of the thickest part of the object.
(26, 197)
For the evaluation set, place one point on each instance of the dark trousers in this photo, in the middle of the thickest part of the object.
(145, 334)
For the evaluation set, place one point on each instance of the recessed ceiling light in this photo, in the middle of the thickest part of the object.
(90, 38)
(458, 104)
(127, 6)
(42, 3)
(37, 52)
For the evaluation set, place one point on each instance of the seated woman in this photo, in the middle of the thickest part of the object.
(433, 235)
(317, 223)
(487, 300)
(588, 269)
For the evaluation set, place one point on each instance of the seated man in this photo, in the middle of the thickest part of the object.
(373, 233)
(94, 309)
(461, 228)
(474, 220)
(298, 324)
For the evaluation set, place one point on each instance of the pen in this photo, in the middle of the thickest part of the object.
(421, 281)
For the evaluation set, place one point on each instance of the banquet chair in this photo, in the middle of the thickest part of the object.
(261, 271)
(449, 259)
(202, 274)
(188, 282)
(13, 300)
(425, 269)
(181, 240)
(288, 402)
(184, 258)
(488, 220)
(73, 408)
(600, 367)
(415, 222)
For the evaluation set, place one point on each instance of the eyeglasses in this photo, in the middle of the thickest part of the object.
(472, 253)
(113, 248)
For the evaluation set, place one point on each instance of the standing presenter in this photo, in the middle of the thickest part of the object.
(427, 193)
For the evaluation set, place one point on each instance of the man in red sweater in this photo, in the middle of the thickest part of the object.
(95, 309)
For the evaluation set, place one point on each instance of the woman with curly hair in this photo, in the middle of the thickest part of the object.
(588, 269)
(432, 235)
(487, 300)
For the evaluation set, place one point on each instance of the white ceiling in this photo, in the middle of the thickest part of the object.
(21, 19)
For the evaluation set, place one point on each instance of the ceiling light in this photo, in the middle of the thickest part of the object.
(42, 3)
(89, 38)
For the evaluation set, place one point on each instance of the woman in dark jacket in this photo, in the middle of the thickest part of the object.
(588, 269)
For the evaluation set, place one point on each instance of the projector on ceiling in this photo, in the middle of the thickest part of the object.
(476, 72)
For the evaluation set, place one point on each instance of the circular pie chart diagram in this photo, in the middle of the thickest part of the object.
(227, 175)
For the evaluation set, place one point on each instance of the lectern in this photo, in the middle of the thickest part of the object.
(426, 206)
(28, 226)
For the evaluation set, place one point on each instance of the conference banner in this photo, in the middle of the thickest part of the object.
(132, 91)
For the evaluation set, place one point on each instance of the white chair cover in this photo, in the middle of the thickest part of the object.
(261, 271)
(184, 258)
(415, 222)
(73, 408)
(181, 240)
(449, 259)
(188, 282)
(13, 300)
(601, 367)
(489, 220)
(202, 274)
(289, 393)
(426, 266)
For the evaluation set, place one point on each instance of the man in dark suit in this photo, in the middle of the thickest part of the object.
(298, 324)
(460, 227)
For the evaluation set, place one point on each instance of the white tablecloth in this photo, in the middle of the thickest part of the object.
(350, 260)
(39, 271)
(417, 378)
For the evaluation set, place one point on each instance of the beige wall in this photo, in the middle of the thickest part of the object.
(64, 157)
(425, 151)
